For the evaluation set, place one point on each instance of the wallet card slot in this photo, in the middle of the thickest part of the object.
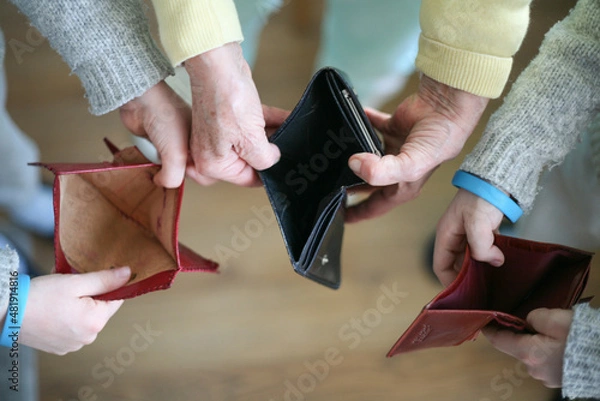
(323, 259)
(354, 115)
(329, 207)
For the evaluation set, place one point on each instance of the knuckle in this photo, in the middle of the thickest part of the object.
(414, 173)
(89, 339)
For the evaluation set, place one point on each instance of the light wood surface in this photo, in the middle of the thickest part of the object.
(258, 331)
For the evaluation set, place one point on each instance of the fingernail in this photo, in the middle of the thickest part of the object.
(355, 165)
(123, 272)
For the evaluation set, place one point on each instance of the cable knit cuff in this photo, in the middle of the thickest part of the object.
(106, 43)
(132, 70)
(480, 74)
(581, 366)
(192, 27)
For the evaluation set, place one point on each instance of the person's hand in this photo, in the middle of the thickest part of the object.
(228, 140)
(165, 119)
(468, 219)
(427, 129)
(274, 117)
(60, 315)
(542, 353)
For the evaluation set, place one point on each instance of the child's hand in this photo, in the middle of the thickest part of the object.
(60, 315)
(542, 353)
(468, 219)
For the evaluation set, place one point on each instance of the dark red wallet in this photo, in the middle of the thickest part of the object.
(112, 214)
(534, 275)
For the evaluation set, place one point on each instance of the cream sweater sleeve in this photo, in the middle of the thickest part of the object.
(469, 44)
(191, 27)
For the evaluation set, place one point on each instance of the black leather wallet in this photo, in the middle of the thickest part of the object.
(307, 187)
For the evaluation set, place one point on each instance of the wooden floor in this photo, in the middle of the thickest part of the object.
(258, 331)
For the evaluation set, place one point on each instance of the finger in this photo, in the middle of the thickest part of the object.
(274, 116)
(379, 120)
(448, 252)
(97, 283)
(169, 132)
(481, 244)
(199, 178)
(248, 177)
(382, 201)
(388, 169)
(516, 345)
(172, 172)
(258, 152)
(450, 243)
(109, 308)
(554, 323)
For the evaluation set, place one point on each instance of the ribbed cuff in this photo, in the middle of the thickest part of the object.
(192, 27)
(479, 74)
(132, 71)
(581, 366)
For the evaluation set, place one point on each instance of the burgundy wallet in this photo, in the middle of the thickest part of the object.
(534, 275)
(112, 214)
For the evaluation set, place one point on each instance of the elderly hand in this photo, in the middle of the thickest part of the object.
(228, 140)
(542, 353)
(427, 129)
(165, 119)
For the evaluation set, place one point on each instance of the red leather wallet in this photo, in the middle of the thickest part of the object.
(534, 275)
(112, 214)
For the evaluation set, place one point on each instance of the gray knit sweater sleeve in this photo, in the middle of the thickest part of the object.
(106, 43)
(549, 105)
(9, 262)
(581, 365)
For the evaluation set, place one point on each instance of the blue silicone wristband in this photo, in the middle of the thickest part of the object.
(490, 193)
(18, 292)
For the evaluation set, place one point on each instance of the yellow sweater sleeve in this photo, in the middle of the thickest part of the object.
(191, 27)
(469, 44)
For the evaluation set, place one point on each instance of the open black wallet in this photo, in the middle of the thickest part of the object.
(307, 187)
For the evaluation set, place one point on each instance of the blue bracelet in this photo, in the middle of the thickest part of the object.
(18, 292)
(488, 192)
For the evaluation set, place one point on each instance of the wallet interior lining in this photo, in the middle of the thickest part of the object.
(90, 208)
(313, 164)
(527, 280)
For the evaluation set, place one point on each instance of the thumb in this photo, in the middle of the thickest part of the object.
(274, 116)
(172, 172)
(554, 323)
(97, 283)
(380, 171)
(261, 154)
(379, 120)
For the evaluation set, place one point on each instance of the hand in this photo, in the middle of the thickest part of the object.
(542, 353)
(274, 117)
(60, 315)
(427, 129)
(228, 140)
(165, 119)
(468, 219)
